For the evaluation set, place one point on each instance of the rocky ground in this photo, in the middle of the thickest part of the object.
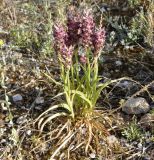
(25, 93)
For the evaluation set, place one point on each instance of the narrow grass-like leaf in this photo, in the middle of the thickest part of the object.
(53, 80)
(66, 106)
(50, 109)
(83, 96)
(58, 95)
(98, 91)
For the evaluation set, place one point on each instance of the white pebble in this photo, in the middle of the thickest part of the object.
(92, 155)
(29, 132)
(118, 63)
(39, 100)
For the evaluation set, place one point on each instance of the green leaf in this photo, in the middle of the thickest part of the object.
(53, 80)
(1, 42)
(83, 96)
(58, 95)
(66, 106)
(98, 92)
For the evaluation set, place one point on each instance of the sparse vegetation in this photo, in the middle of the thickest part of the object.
(132, 131)
(67, 69)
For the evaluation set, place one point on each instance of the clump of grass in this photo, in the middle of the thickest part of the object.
(132, 131)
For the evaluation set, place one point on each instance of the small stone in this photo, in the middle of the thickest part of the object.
(23, 107)
(106, 74)
(92, 155)
(21, 120)
(140, 146)
(134, 143)
(112, 141)
(125, 84)
(147, 158)
(17, 98)
(118, 63)
(83, 131)
(10, 124)
(147, 121)
(38, 108)
(136, 106)
(29, 132)
(39, 100)
(3, 141)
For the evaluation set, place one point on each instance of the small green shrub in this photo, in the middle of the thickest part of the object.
(132, 131)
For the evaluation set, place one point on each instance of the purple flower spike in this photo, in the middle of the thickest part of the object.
(98, 40)
(87, 26)
(73, 25)
(60, 37)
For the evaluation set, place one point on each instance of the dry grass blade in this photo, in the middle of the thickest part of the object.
(100, 127)
(52, 79)
(67, 139)
(58, 95)
(60, 131)
(48, 110)
(89, 137)
(43, 137)
(79, 145)
(52, 117)
(41, 120)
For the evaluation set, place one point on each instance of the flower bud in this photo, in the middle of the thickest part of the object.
(60, 37)
(83, 59)
(87, 26)
(98, 40)
(66, 54)
(73, 25)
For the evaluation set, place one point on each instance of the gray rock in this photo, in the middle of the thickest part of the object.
(136, 106)
(125, 84)
(17, 97)
(147, 121)
(112, 140)
(39, 100)
(21, 120)
(118, 63)
(38, 108)
(140, 146)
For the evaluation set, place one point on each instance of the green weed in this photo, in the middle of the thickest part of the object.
(132, 131)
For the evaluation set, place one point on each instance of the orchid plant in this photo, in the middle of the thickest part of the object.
(78, 46)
